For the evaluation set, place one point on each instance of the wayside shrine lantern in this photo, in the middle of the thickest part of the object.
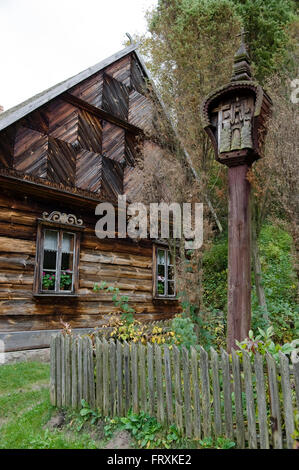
(235, 118)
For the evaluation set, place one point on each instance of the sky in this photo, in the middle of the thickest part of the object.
(46, 41)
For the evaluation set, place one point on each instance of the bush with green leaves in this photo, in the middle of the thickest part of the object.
(185, 335)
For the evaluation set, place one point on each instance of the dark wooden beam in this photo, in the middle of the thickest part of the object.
(101, 113)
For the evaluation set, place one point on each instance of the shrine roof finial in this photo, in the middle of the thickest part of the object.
(241, 67)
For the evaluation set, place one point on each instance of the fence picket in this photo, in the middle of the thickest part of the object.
(119, 378)
(216, 393)
(91, 384)
(240, 431)
(187, 395)
(127, 401)
(85, 369)
(142, 376)
(249, 401)
(205, 389)
(195, 390)
(80, 368)
(168, 385)
(178, 388)
(287, 398)
(68, 370)
(106, 396)
(151, 383)
(112, 360)
(274, 401)
(134, 371)
(58, 371)
(53, 381)
(295, 363)
(63, 375)
(159, 383)
(74, 391)
(99, 375)
(261, 401)
(227, 395)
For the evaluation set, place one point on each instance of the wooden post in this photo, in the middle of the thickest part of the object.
(239, 281)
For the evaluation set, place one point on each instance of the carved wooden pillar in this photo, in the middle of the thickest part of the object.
(235, 119)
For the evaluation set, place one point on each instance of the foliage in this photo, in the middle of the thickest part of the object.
(219, 443)
(184, 334)
(263, 343)
(48, 280)
(120, 301)
(65, 279)
(87, 414)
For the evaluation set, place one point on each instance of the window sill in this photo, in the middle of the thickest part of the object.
(165, 299)
(55, 294)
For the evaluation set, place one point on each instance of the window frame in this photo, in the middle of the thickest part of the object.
(156, 295)
(60, 228)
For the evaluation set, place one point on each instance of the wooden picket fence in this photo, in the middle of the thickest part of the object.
(204, 395)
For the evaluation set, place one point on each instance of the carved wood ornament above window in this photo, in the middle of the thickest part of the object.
(57, 254)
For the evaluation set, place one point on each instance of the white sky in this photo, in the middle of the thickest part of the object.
(43, 42)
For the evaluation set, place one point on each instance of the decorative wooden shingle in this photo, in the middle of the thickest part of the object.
(61, 162)
(121, 70)
(30, 152)
(140, 111)
(89, 132)
(63, 121)
(88, 171)
(112, 177)
(113, 142)
(115, 97)
(90, 90)
(137, 77)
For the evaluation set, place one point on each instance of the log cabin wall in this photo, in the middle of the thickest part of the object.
(69, 154)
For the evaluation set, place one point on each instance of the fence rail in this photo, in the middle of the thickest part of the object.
(203, 394)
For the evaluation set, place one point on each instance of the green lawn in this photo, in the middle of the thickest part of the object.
(25, 410)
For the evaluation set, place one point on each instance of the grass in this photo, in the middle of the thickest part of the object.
(25, 410)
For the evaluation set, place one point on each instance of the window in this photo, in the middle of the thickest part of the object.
(164, 274)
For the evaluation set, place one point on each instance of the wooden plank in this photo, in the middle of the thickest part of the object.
(74, 359)
(168, 385)
(62, 370)
(287, 399)
(151, 380)
(119, 378)
(127, 400)
(195, 394)
(53, 380)
(134, 371)
(187, 395)
(142, 377)
(205, 390)
(91, 382)
(261, 401)
(80, 369)
(58, 371)
(99, 375)
(68, 397)
(106, 397)
(85, 369)
(216, 393)
(112, 360)
(250, 407)
(240, 431)
(274, 400)
(159, 384)
(295, 363)
(227, 395)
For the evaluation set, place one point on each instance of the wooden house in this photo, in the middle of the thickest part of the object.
(61, 153)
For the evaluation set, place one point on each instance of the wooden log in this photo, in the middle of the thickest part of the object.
(151, 380)
(195, 391)
(58, 371)
(168, 385)
(238, 400)
(187, 395)
(142, 377)
(53, 372)
(205, 390)
(227, 395)
(274, 401)
(127, 400)
(119, 378)
(74, 353)
(106, 397)
(216, 393)
(287, 399)
(159, 384)
(261, 401)
(250, 407)
(178, 388)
